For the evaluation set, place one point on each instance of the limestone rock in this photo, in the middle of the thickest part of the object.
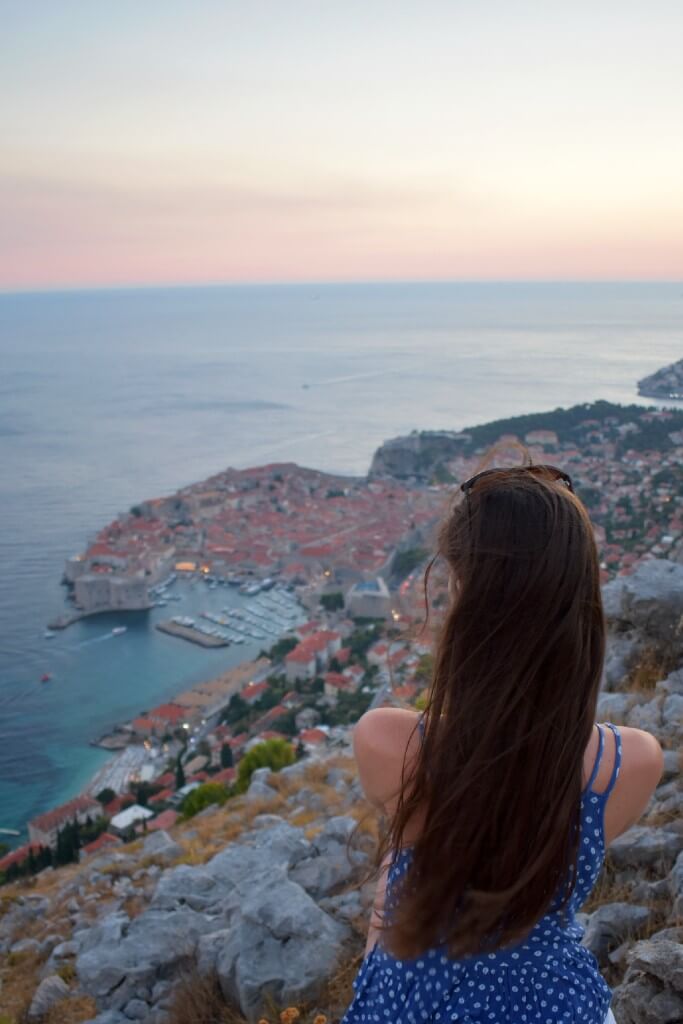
(162, 847)
(156, 941)
(651, 600)
(672, 714)
(646, 716)
(50, 991)
(652, 991)
(283, 944)
(320, 875)
(25, 946)
(642, 847)
(136, 1009)
(622, 651)
(260, 791)
(672, 764)
(673, 683)
(611, 924)
(614, 707)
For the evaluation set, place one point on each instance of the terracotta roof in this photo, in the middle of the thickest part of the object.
(66, 812)
(312, 736)
(167, 779)
(106, 839)
(168, 712)
(164, 820)
(159, 798)
(118, 803)
(19, 855)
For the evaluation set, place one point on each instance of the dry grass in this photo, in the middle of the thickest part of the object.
(199, 1000)
(74, 1010)
(606, 890)
(660, 819)
(19, 976)
(653, 665)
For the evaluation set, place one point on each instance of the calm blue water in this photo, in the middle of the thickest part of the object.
(107, 398)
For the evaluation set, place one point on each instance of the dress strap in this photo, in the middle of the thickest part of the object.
(617, 759)
(598, 758)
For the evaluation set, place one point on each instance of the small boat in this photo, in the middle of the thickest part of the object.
(48, 634)
(118, 630)
(46, 677)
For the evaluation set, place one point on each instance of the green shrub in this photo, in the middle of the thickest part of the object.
(274, 754)
(203, 796)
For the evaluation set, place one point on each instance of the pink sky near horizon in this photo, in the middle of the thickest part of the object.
(243, 147)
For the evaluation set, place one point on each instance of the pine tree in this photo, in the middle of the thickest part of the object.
(179, 774)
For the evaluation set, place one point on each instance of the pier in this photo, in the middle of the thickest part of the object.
(195, 636)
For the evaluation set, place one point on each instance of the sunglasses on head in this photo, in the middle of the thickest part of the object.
(539, 470)
(535, 470)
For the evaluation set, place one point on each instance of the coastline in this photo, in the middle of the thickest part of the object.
(130, 758)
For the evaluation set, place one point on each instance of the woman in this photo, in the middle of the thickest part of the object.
(503, 795)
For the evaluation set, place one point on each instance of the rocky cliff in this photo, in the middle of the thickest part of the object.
(255, 906)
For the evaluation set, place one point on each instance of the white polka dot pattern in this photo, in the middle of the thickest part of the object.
(550, 978)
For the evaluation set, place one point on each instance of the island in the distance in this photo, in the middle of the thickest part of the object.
(666, 383)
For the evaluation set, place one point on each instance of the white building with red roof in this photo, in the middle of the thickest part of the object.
(301, 663)
(252, 691)
(43, 829)
(336, 683)
(313, 739)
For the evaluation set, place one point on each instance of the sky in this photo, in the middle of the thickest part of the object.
(171, 142)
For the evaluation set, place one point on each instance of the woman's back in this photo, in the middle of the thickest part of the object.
(490, 812)
(548, 978)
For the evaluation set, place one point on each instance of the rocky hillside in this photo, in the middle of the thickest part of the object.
(253, 911)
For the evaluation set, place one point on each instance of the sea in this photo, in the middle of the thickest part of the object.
(110, 397)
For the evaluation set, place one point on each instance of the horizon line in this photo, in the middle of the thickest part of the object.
(328, 283)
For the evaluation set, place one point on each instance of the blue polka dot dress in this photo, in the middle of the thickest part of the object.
(550, 978)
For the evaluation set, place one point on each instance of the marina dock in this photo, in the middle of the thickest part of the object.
(192, 634)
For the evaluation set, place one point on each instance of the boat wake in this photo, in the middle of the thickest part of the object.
(94, 640)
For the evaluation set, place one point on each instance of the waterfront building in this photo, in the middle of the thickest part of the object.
(75, 566)
(43, 829)
(369, 599)
(101, 592)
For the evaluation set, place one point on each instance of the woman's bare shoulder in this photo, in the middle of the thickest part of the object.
(642, 764)
(383, 739)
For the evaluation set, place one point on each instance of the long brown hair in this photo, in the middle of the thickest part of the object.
(511, 707)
